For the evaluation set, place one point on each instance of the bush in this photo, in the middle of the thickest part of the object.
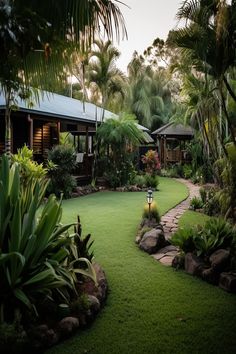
(204, 240)
(196, 203)
(151, 181)
(62, 182)
(203, 194)
(154, 213)
(187, 171)
(184, 239)
(211, 206)
(139, 181)
(216, 233)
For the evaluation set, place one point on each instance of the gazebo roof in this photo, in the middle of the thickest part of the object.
(174, 130)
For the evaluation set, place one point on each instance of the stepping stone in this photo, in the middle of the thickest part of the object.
(166, 249)
(158, 256)
(166, 260)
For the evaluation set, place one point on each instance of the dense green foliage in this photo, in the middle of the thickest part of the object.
(150, 308)
(117, 139)
(61, 180)
(203, 240)
(38, 258)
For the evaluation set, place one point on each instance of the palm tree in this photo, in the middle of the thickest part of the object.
(117, 138)
(106, 81)
(150, 98)
(208, 41)
(34, 35)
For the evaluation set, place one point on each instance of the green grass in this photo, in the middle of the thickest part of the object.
(191, 218)
(150, 308)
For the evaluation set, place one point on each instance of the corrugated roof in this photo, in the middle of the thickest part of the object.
(174, 130)
(64, 107)
(58, 106)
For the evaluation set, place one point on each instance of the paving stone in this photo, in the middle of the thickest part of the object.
(166, 260)
(158, 256)
(167, 249)
(170, 224)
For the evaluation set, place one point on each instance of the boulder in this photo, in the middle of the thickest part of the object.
(193, 264)
(211, 275)
(220, 259)
(94, 304)
(228, 281)
(150, 223)
(90, 288)
(42, 336)
(178, 261)
(68, 325)
(152, 241)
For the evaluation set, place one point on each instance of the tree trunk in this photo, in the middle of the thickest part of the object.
(231, 129)
(231, 92)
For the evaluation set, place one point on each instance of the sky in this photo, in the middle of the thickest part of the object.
(145, 20)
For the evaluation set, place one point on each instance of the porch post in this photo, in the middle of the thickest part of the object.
(86, 150)
(165, 152)
(31, 134)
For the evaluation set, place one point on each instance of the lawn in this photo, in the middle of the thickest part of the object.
(191, 218)
(150, 308)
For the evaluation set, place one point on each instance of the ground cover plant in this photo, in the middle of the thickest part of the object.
(150, 308)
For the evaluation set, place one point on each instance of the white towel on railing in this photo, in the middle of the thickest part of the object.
(79, 157)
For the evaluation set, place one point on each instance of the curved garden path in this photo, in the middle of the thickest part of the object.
(170, 222)
(150, 308)
(171, 218)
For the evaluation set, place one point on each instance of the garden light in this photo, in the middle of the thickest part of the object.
(149, 201)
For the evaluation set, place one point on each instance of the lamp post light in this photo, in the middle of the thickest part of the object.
(149, 201)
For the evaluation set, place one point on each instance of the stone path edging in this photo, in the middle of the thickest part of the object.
(170, 223)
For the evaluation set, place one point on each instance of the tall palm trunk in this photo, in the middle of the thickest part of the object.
(229, 88)
(231, 129)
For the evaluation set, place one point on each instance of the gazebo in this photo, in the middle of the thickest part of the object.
(171, 141)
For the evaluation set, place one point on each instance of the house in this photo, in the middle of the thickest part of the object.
(171, 141)
(39, 126)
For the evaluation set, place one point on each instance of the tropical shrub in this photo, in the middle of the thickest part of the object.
(153, 213)
(183, 238)
(117, 139)
(225, 168)
(82, 245)
(151, 162)
(216, 233)
(34, 249)
(211, 206)
(187, 171)
(203, 194)
(61, 179)
(151, 181)
(204, 240)
(196, 203)
(139, 181)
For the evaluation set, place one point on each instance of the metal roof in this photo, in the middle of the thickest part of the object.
(171, 129)
(58, 106)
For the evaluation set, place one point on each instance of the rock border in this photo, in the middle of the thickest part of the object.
(43, 336)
